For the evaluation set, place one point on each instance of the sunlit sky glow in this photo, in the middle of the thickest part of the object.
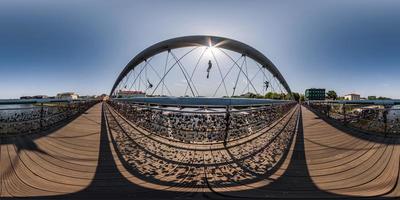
(48, 46)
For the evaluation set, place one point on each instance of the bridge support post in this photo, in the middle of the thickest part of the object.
(227, 122)
(328, 110)
(41, 116)
(344, 113)
(69, 109)
(385, 113)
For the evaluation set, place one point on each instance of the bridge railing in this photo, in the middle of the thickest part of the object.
(24, 117)
(202, 124)
(370, 116)
(145, 154)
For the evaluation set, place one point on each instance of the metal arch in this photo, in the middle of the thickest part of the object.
(202, 40)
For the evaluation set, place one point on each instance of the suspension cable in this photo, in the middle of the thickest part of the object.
(219, 69)
(255, 75)
(158, 84)
(247, 73)
(151, 67)
(268, 78)
(230, 69)
(165, 69)
(186, 74)
(237, 78)
(240, 70)
(197, 64)
(140, 72)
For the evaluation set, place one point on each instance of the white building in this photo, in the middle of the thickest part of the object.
(352, 97)
(67, 96)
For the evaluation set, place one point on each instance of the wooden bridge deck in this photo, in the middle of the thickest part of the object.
(57, 163)
(350, 164)
(79, 161)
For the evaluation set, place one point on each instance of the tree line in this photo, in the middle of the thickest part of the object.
(331, 95)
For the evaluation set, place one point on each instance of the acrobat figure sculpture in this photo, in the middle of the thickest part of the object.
(266, 84)
(209, 68)
(150, 85)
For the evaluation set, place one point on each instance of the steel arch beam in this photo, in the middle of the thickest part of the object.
(202, 40)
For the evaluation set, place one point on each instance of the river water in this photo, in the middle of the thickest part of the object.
(394, 113)
(9, 110)
(16, 106)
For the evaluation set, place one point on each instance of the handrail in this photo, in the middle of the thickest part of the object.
(42, 116)
(204, 102)
(213, 128)
(384, 119)
(38, 101)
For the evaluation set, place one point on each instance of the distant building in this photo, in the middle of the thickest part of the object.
(103, 97)
(67, 96)
(35, 97)
(352, 97)
(315, 94)
(130, 94)
(88, 97)
(40, 97)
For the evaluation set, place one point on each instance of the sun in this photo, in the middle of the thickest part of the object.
(211, 52)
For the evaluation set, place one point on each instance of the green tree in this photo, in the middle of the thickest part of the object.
(296, 96)
(331, 95)
(383, 98)
(340, 98)
(302, 98)
(274, 95)
(269, 95)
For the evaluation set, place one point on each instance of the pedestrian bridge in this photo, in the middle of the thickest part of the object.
(170, 141)
(83, 158)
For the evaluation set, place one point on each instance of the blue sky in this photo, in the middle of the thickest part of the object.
(53, 46)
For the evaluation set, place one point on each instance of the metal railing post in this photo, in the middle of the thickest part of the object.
(344, 113)
(69, 109)
(385, 112)
(327, 109)
(41, 115)
(227, 122)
